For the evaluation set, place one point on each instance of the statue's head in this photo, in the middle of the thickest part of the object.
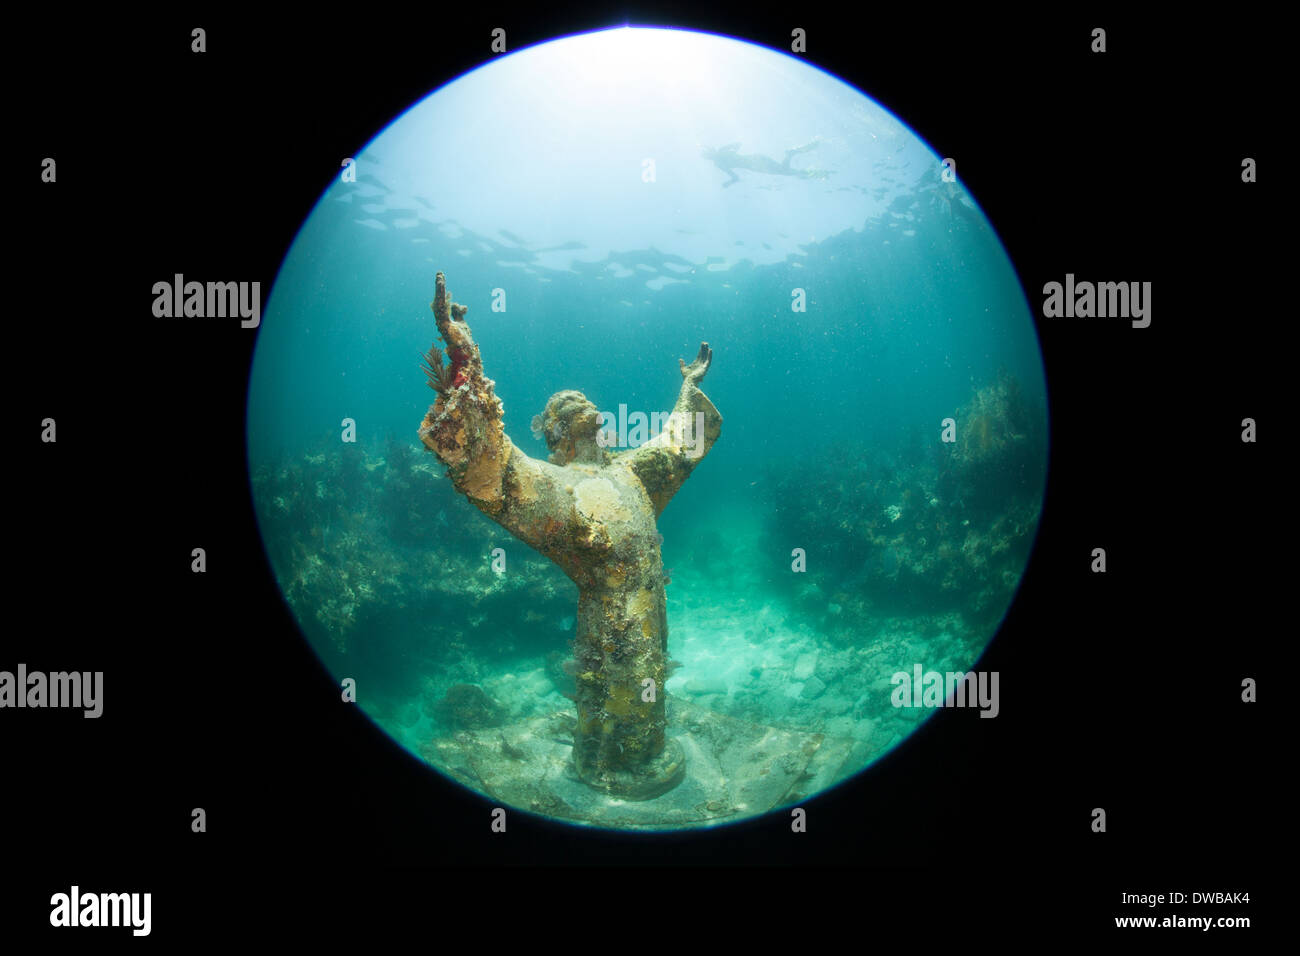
(569, 424)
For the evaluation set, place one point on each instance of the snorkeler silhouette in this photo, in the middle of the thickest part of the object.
(593, 513)
(729, 158)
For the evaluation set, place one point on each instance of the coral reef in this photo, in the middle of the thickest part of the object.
(915, 530)
(398, 569)
(467, 707)
(998, 452)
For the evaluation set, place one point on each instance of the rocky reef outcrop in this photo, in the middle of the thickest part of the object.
(928, 527)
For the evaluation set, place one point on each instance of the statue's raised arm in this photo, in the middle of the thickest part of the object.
(464, 429)
(666, 461)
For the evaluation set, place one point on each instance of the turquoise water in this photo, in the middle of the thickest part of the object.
(580, 185)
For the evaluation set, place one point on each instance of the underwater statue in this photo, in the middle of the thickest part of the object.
(593, 513)
(729, 158)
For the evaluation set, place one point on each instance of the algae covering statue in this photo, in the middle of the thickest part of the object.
(593, 513)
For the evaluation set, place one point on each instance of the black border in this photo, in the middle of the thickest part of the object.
(1125, 165)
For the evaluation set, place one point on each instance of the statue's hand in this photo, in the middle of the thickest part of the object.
(695, 372)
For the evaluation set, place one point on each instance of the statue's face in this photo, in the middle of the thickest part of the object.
(568, 421)
(585, 422)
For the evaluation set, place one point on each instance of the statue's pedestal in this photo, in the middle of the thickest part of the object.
(734, 769)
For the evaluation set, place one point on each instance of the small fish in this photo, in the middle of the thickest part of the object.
(670, 667)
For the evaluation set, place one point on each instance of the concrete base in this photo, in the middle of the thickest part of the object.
(733, 769)
(655, 779)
